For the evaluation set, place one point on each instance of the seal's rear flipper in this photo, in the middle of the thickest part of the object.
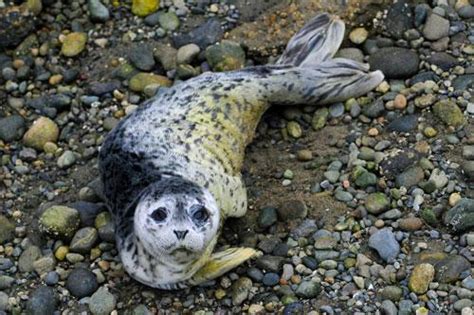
(317, 41)
(221, 262)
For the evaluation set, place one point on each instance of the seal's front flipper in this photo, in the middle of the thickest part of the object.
(221, 262)
(317, 41)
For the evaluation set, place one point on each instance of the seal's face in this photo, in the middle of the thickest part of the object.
(176, 220)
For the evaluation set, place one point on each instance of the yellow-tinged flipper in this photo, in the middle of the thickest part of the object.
(221, 262)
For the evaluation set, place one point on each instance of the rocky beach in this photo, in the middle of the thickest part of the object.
(360, 207)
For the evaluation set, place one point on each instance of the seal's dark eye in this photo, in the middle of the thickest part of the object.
(200, 214)
(159, 214)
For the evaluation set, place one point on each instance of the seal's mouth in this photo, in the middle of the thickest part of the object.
(181, 250)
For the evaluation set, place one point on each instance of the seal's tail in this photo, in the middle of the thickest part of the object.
(307, 74)
(317, 41)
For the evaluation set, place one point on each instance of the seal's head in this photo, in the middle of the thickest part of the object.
(176, 220)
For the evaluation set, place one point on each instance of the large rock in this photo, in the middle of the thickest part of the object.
(43, 130)
(60, 221)
(395, 62)
(461, 216)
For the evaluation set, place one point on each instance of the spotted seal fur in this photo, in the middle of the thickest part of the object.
(171, 169)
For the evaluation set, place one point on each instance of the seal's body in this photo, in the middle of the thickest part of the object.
(171, 169)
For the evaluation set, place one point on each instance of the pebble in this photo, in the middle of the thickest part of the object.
(139, 81)
(81, 282)
(421, 277)
(267, 217)
(411, 224)
(66, 159)
(41, 301)
(168, 21)
(98, 12)
(7, 229)
(73, 44)
(141, 56)
(102, 302)
(144, 7)
(28, 257)
(460, 216)
(308, 289)
(270, 279)
(377, 203)
(84, 240)
(389, 308)
(12, 128)
(42, 131)
(436, 27)
(403, 62)
(358, 35)
(226, 56)
(187, 53)
(410, 177)
(240, 290)
(60, 221)
(384, 242)
(292, 209)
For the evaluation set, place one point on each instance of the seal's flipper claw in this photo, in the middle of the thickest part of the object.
(221, 262)
(317, 41)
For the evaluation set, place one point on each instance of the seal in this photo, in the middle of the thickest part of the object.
(171, 169)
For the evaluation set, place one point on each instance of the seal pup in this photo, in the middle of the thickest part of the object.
(171, 169)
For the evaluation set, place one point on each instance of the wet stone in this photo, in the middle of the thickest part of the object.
(84, 240)
(403, 62)
(240, 290)
(449, 269)
(461, 216)
(384, 242)
(11, 128)
(377, 203)
(392, 293)
(204, 35)
(41, 301)
(102, 302)
(98, 12)
(436, 27)
(6, 282)
(270, 279)
(308, 289)
(142, 57)
(443, 60)
(28, 257)
(7, 229)
(411, 177)
(81, 282)
(292, 209)
(421, 277)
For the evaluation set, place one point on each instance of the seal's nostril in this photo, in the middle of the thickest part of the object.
(180, 235)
